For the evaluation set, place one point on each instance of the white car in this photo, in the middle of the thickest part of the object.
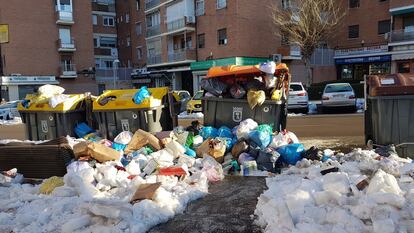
(9, 110)
(298, 97)
(338, 95)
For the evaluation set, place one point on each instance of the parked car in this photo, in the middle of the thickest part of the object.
(9, 110)
(339, 95)
(298, 97)
(194, 105)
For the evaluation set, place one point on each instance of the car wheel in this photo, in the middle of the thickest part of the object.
(324, 109)
(304, 110)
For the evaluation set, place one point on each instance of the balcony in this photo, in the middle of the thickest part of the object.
(179, 24)
(66, 45)
(64, 17)
(149, 4)
(103, 6)
(68, 71)
(401, 7)
(401, 36)
(182, 55)
(103, 51)
(107, 75)
(155, 59)
(153, 31)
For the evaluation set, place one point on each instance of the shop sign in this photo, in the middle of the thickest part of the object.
(361, 50)
(345, 61)
(25, 79)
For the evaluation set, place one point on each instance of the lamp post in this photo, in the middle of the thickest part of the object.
(115, 70)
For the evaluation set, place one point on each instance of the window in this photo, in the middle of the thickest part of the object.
(127, 18)
(201, 41)
(199, 7)
(153, 19)
(138, 5)
(220, 4)
(94, 19)
(138, 29)
(128, 41)
(95, 42)
(108, 21)
(384, 26)
(107, 42)
(222, 36)
(353, 3)
(64, 36)
(139, 53)
(286, 4)
(353, 31)
(403, 67)
(108, 63)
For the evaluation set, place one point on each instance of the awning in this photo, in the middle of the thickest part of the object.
(406, 56)
(402, 10)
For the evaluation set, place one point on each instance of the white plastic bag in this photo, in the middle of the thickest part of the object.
(245, 128)
(50, 90)
(279, 140)
(57, 99)
(123, 138)
(77, 166)
(212, 169)
(175, 148)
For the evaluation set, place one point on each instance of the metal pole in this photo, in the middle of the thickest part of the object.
(114, 74)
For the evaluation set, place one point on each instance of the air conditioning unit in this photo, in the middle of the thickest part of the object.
(277, 58)
(190, 19)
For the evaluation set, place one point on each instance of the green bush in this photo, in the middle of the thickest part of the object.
(315, 90)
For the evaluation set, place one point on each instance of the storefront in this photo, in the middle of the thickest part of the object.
(200, 69)
(17, 87)
(403, 59)
(356, 68)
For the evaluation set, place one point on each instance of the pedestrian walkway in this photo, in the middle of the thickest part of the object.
(228, 208)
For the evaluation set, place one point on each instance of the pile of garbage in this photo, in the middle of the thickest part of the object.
(46, 94)
(363, 191)
(256, 83)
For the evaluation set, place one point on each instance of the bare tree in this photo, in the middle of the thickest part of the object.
(308, 23)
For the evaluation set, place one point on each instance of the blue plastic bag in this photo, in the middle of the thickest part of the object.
(261, 139)
(208, 132)
(82, 129)
(225, 132)
(190, 152)
(118, 147)
(291, 153)
(141, 95)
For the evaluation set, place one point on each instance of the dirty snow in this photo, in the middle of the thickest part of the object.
(303, 200)
(97, 200)
(185, 115)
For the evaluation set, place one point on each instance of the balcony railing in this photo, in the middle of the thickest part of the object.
(182, 55)
(68, 70)
(153, 31)
(122, 74)
(149, 4)
(155, 59)
(401, 36)
(103, 6)
(66, 45)
(64, 17)
(180, 23)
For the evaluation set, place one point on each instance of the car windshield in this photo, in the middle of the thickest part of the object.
(198, 95)
(338, 88)
(295, 87)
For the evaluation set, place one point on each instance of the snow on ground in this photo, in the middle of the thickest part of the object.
(97, 200)
(185, 115)
(303, 200)
(14, 121)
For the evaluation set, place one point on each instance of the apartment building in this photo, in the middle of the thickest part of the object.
(376, 37)
(49, 42)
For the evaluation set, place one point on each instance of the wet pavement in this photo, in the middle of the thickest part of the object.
(228, 208)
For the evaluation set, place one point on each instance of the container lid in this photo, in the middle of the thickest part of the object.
(391, 84)
(123, 99)
(73, 102)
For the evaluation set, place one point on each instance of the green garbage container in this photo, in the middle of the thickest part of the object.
(115, 112)
(389, 116)
(46, 123)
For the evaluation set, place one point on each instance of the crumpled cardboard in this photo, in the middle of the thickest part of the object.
(204, 148)
(81, 150)
(141, 139)
(214, 148)
(102, 153)
(145, 191)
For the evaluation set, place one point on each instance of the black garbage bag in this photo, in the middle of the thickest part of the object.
(255, 84)
(237, 91)
(314, 153)
(269, 161)
(214, 86)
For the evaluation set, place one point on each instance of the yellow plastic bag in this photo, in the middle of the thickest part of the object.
(276, 95)
(255, 98)
(50, 184)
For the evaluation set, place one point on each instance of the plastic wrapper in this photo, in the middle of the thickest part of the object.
(57, 99)
(123, 138)
(141, 95)
(176, 149)
(212, 169)
(256, 98)
(237, 91)
(214, 86)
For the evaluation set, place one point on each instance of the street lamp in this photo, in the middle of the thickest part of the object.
(115, 70)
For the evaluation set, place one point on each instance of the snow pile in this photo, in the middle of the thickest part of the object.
(369, 193)
(14, 121)
(185, 115)
(98, 200)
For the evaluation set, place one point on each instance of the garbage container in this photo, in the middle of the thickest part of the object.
(45, 123)
(115, 111)
(389, 116)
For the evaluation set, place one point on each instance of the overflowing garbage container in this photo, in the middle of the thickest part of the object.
(390, 111)
(50, 114)
(235, 93)
(149, 109)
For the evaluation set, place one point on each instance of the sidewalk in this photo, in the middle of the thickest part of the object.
(228, 208)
